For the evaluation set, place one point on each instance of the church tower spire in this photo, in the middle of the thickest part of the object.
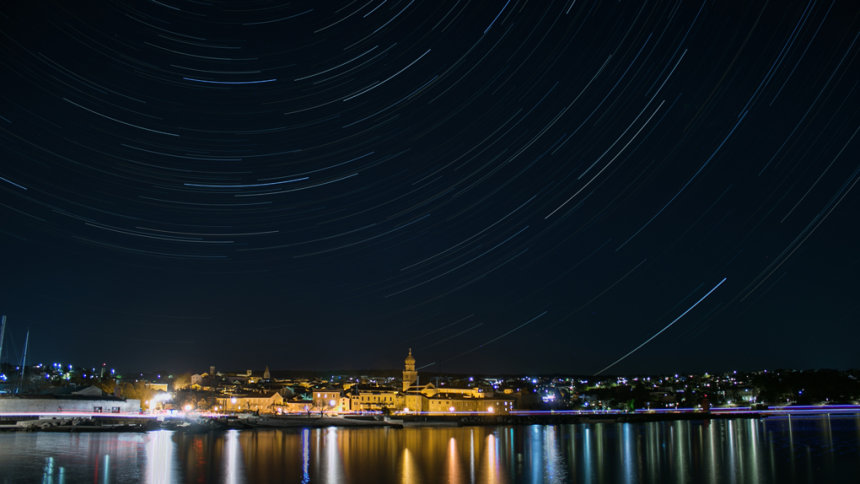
(410, 376)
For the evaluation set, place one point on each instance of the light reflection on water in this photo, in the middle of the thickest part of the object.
(808, 449)
(160, 457)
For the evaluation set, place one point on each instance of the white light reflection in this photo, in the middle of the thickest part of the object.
(682, 451)
(711, 462)
(586, 456)
(791, 446)
(306, 455)
(48, 471)
(106, 469)
(160, 451)
(753, 454)
(472, 455)
(536, 458)
(334, 472)
(599, 430)
(627, 453)
(742, 451)
(731, 450)
(555, 468)
(654, 439)
(827, 430)
(232, 464)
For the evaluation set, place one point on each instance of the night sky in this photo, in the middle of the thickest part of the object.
(504, 186)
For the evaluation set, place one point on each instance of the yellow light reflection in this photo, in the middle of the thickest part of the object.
(409, 472)
(491, 471)
(454, 474)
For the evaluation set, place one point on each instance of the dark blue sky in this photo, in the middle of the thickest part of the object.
(503, 186)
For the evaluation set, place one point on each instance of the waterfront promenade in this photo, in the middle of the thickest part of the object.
(96, 421)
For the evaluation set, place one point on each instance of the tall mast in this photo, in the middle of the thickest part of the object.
(2, 333)
(24, 360)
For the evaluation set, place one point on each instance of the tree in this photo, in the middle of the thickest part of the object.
(181, 381)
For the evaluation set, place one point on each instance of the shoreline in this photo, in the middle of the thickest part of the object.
(210, 424)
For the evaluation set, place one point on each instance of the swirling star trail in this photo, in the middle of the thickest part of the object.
(503, 186)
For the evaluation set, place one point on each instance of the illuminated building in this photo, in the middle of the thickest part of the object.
(410, 376)
(364, 398)
(330, 400)
(413, 397)
(90, 399)
(429, 398)
(251, 403)
(294, 406)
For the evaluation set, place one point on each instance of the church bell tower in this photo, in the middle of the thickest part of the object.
(410, 376)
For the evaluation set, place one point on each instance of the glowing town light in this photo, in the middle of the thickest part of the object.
(332, 403)
(187, 407)
(233, 400)
(491, 409)
(450, 409)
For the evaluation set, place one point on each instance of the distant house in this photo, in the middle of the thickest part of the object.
(295, 406)
(255, 402)
(329, 400)
(364, 398)
(90, 400)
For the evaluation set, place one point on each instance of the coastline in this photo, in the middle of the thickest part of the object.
(214, 424)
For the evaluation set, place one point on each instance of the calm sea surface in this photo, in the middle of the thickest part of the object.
(774, 450)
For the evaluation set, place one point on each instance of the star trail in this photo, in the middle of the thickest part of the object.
(503, 186)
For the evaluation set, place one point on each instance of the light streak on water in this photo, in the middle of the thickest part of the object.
(763, 450)
(306, 455)
(160, 454)
(232, 473)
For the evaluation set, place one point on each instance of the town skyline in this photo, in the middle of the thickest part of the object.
(406, 392)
